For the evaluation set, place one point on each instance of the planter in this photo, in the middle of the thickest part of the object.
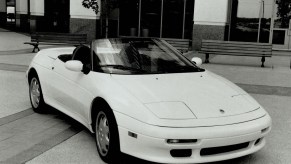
(145, 32)
(132, 32)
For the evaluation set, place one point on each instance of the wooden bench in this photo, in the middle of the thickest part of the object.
(236, 49)
(56, 39)
(183, 45)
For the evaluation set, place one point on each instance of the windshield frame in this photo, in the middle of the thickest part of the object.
(188, 63)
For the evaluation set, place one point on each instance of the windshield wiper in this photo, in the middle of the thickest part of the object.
(122, 67)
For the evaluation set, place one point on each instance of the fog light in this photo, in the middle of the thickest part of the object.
(172, 141)
(181, 153)
(264, 130)
(258, 141)
(177, 141)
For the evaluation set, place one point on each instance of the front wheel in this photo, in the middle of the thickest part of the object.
(107, 138)
(35, 95)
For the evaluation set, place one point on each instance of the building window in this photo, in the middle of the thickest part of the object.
(10, 12)
(57, 16)
(189, 10)
(150, 18)
(251, 20)
(281, 30)
(173, 18)
(156, 18)
(129, 17)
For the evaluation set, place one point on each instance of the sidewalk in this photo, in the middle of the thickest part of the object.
(10, 41)
(13, 50)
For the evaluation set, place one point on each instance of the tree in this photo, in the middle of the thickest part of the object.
(91, 4)
(106, 9)
(284, 12)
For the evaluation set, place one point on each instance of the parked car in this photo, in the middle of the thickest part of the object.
(143, 98)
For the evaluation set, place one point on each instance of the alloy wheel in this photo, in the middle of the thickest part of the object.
(102, 134)
(35, 92)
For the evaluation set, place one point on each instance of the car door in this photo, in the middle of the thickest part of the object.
(72, 91)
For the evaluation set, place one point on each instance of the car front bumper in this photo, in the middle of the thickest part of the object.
(213, 143)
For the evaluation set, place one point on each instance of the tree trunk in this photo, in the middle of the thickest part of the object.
(106, 28)
(101, 26)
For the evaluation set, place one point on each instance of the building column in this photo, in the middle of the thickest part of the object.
(83, 20)
(22, 15)
(211, 21)
(37, 20)
(3, 15)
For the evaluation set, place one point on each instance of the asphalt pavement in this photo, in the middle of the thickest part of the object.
(27, 137)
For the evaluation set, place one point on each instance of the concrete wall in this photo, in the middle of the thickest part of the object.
(83, 20)
(21, 6)
(37, 7)
(211, 20)
(37, 14)
(2, 12)
(78, 11)
(21, 15)
(2, 5)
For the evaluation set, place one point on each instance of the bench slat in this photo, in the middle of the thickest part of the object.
(173, 39)
(237, 46)
(236, 52)
(56, 39)
(180, 44)
(234, 42)
(236, 49)
(232, 54)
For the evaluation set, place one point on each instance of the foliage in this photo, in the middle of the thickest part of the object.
(91, 4)
(284, 12)
(107, 5)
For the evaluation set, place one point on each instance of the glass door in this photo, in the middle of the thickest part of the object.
(129, 17)
(150, 18)
(173, 12)
(281, 24)
(57, 15)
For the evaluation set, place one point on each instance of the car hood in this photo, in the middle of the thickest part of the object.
(188, 95)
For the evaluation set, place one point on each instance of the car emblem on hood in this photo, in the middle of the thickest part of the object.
(221, 111)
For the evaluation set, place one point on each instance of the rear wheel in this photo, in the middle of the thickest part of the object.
(35, 95)
(107, 138)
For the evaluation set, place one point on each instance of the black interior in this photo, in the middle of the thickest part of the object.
(65, 57)
(82, 53)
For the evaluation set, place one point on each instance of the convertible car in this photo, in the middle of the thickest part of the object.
(141, 97)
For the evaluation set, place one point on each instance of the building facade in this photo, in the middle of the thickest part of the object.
(235, 20)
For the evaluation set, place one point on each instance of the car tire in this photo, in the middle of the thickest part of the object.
(35, 95)
(107, 137)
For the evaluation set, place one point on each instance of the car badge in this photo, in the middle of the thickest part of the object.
(221, 111)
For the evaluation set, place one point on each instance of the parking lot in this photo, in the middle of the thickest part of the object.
(27, 137)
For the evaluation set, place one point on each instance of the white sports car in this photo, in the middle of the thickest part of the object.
(143, 98)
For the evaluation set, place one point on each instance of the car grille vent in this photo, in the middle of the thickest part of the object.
(223, 149)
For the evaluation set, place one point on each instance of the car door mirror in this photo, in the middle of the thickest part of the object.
(197, 61)
(74, 65)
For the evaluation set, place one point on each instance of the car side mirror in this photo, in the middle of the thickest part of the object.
(74, 65)
(197, 61)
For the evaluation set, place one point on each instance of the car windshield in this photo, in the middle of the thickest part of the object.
(138, 56)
